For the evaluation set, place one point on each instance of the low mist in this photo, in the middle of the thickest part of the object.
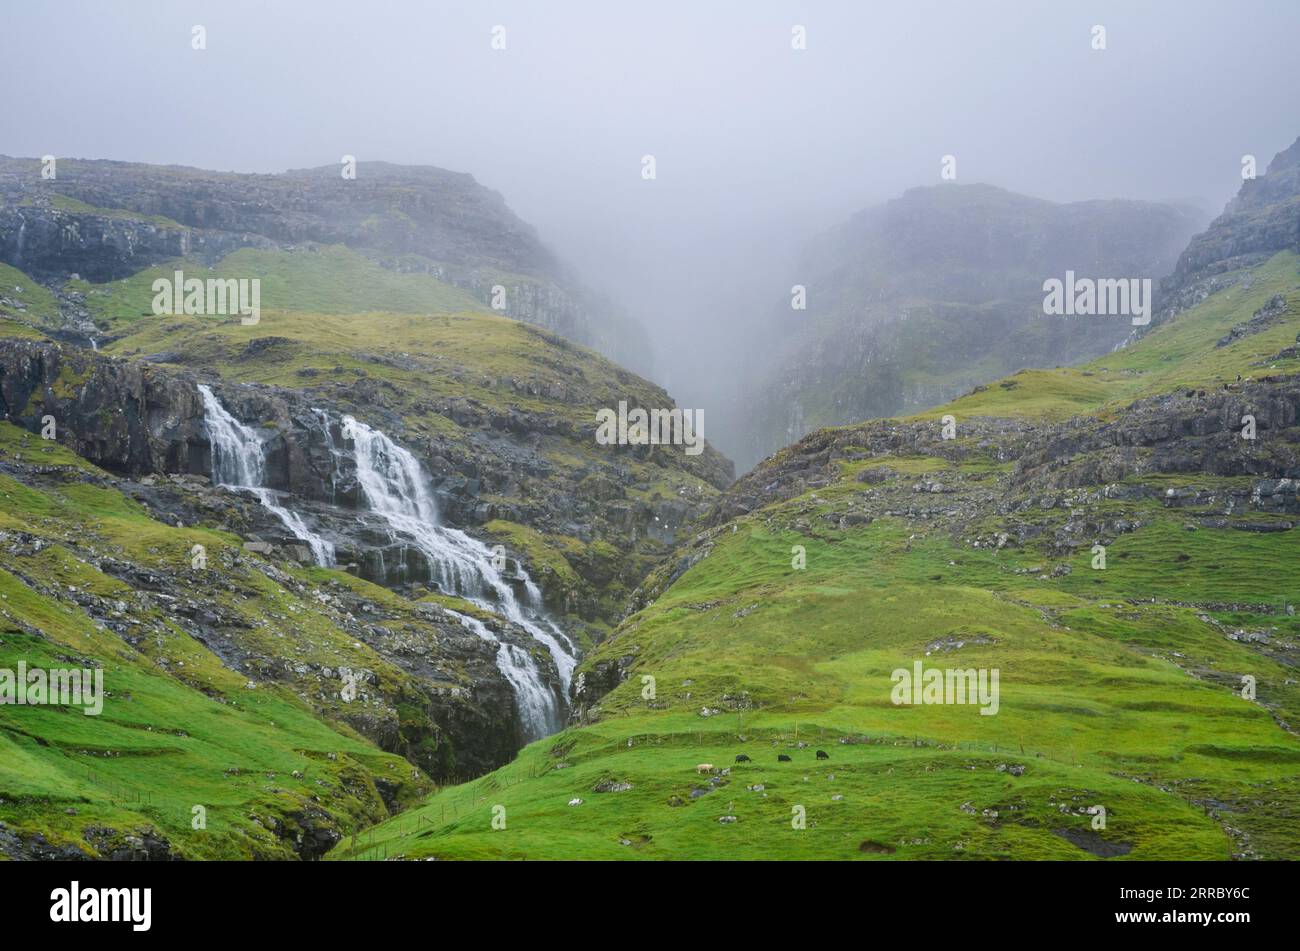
(758, 146)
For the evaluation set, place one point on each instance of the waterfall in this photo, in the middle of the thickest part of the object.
(396, 488)
(537, 709)
(322, 551)
(22, 231)
(239, 462)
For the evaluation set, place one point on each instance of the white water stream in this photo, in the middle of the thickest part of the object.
(239, 462)
(396, 489)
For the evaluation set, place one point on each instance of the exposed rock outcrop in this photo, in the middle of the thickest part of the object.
(1263, 219)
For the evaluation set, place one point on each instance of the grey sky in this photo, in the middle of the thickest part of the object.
(757, 145)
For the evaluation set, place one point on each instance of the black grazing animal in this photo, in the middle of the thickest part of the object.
(782, 758)
(822, 754)
(742, 758)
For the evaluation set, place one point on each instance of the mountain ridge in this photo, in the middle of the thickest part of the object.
(107, 220)
(913, 301)
(1116, 538)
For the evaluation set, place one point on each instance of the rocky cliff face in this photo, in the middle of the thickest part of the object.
(128, 418)
(1193, 432)
(135, 418)
(146, 426)
(1263, 219)
(914, 302)
(430, 212)
(50, 242)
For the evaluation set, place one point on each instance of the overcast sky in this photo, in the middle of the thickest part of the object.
(757, 145)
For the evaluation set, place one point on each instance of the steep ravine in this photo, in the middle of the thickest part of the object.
(395, 494)
(310, 486)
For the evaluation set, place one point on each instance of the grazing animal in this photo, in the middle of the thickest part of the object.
(782, 758)
(742, 758)
(822, 754)
(704, 768)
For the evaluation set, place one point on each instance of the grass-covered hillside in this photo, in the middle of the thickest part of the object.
(225, 678)
(105, 220)
(869, 548)
(504, 413)
(90, 578)
(1198, 349)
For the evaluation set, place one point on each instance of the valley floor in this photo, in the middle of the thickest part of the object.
(1148, 700)
(1103, 537)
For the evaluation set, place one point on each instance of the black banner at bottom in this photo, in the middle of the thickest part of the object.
(140, 901)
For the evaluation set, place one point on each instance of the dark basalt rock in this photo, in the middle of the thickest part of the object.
(49, 243)
(134, 419)
(1190, 432)
(127, 418)
(145, 424)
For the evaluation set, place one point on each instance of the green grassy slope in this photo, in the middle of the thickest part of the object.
(76, 206)
(279, 765)
(179, 728)
(1120, 687)
(386, 344)
(24, 300)
(1176, 354)
(328, 280)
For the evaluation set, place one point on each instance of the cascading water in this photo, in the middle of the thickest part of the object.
(536, 704)
(22, 240)
(239, 462)
(396, 488)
